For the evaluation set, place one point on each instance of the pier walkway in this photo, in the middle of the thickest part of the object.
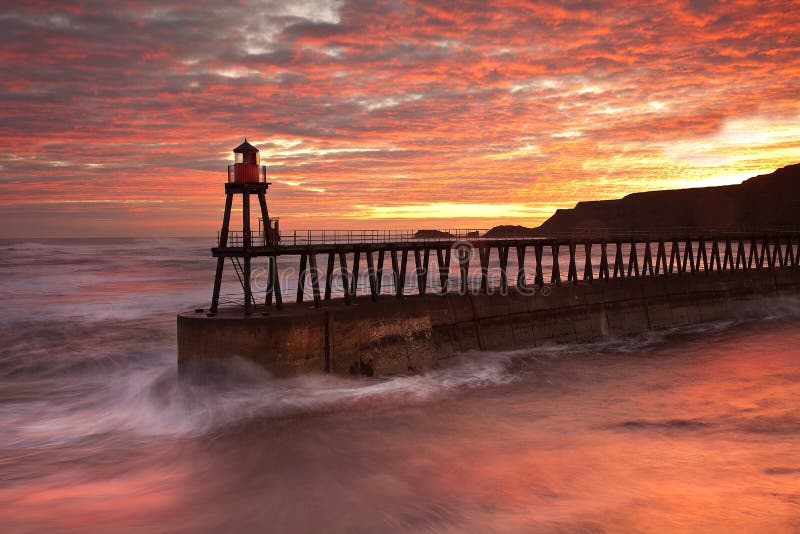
(553, 260)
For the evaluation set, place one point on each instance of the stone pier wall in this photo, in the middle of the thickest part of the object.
(413, 333)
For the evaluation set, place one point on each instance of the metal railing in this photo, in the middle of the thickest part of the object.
(237, 238)
(350, 237)
(347, 237)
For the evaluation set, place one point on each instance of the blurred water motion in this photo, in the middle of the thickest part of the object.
(693, 429)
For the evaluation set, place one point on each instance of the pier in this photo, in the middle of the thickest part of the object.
(426, 300)
(322, 255)
(377, 302)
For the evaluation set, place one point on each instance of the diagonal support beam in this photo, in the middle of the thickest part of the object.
(354, 274)
(633, 261)
(443, 258)
(503, 252)
(538, 279)
(647, 261)
(572, 271)
(603, 274)
(373, 278)
(301, 277)
(555, 273)
(422, 272)
(329, 275)
(345, 276)
(401, 275)
(464, 254)
(521, 282)
(618, 268)
(312, 265)
(588, 269)
(483, 253)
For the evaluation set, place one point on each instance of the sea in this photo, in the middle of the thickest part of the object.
(694, 429)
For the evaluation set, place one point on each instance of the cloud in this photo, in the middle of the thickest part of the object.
(384, 103)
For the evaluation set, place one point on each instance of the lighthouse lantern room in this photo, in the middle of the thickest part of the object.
(246, 166)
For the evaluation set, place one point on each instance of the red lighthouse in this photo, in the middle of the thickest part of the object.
(246, 177)
(246, 166)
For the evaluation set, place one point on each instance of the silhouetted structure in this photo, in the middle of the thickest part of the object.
(580, 285)
(624, 252)
(245, 177)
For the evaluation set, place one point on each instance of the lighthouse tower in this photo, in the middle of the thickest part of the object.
(246, 177)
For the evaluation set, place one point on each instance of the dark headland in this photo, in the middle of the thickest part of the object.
(765, 201)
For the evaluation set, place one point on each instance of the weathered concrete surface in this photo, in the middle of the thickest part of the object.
(413, 333)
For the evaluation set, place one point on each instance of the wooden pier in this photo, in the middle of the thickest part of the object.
(621, 255)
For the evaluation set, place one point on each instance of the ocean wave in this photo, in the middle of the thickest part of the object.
(126, 383)
(157, 402)
(89, 353)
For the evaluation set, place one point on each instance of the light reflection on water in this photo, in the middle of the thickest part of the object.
(694, 429)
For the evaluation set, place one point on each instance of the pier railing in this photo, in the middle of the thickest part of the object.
(351, 237)
(380, 236)
(348, 237)
(239, 239)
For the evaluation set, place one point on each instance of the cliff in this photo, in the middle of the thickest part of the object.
(764, 201)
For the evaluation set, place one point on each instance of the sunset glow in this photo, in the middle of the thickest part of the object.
(383, 114)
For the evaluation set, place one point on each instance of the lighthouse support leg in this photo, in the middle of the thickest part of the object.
(217, 285)
(276, 282)
(223, 242)
(266, 237)
(247, 244)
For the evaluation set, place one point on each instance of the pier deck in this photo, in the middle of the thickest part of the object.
(621, 255)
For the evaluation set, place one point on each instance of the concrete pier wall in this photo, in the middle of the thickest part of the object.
(413, 333)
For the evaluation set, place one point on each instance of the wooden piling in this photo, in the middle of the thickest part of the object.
(633, 260)
(401, 275)
(502, 251)
(483, 253)
(464, 254)
(618, 268)
(373, 277)
(301, 276)
(603, 274)
(354, 272)
(688, 257)
(443, 259)
(521, 283)
(647, 262)
(572, 271)
(329, 275)
(661, 257)
(345, 276)
(555, 271)
(538, 280)
(588, 274)
(312, 265)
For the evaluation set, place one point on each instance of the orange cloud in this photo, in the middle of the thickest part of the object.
(128, 116)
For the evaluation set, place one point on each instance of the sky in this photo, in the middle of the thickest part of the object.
(118, 118)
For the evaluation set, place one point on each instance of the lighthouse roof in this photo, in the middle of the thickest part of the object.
(245, 147)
